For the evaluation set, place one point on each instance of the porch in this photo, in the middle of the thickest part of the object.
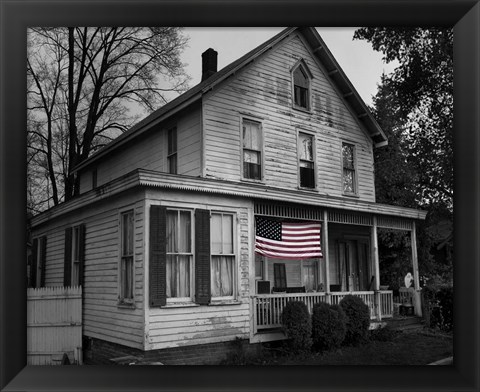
(267, 308)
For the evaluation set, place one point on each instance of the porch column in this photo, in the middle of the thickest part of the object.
(416, 279)
(376, 262)
(326, 254)
(376, 268)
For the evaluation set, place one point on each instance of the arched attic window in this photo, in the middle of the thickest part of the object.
(301, 77)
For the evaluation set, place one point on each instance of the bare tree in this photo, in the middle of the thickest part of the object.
(87, 85)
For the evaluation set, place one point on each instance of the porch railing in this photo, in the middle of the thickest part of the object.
(268, 307)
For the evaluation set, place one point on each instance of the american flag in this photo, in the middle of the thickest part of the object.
(283, 240)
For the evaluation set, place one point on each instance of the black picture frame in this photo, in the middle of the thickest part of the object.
(16, 16)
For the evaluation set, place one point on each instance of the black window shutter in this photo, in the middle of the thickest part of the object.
(67, 260)
(43, 259)
(81, 254)
(158, 256)
(202, 257)
(33, 266)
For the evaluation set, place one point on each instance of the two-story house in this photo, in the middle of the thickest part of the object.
(197, 225)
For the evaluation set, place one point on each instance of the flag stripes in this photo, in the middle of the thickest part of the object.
(284, 240)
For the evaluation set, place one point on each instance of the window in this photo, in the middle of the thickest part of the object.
(279, 275)
(76, 243)
(259, 266)
(172, 151)
(252, 150)
(306, 160)
(179, 254)
(349, 177)
(126, 262)
(310, 274)
(301, 87)
(222, 256)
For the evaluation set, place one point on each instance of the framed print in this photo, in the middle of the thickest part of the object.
(193, 227)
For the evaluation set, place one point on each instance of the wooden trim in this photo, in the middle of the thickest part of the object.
(314, 156)
(376, 261)
(287, 211)
(326, 255)
(416, 278)
(67, 261)
(81, 244)
(255, 191)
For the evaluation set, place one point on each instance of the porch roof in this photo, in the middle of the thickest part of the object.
(147, 178)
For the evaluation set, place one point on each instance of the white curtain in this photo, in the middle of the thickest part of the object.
(222, 276)
(178, 264)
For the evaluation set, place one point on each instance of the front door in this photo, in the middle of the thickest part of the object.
(354, 268)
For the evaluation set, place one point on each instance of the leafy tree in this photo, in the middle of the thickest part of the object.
(422, 92)
(87, 85)
(413, 105)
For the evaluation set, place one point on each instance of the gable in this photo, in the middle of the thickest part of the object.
(262, 92)
(194, 94)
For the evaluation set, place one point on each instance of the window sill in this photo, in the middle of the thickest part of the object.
(252, 181)
(180, 305)
(301, 188)
(355, 195)
(222, 302)
(303, 110)
(126, 305)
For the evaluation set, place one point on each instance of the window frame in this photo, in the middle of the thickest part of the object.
(172, 154)
(39, 268)
(122, 300)
(190, 299)
(260, 259)
(301, 66)
(314, 162)
(355, 170)
(75, 255)
(243, 149)
(233, 255)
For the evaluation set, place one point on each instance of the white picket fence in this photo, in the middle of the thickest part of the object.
(54, 325)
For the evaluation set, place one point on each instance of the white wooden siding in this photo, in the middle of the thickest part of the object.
(102, 317)
(263, 91)
(149, 152)
(180, 326)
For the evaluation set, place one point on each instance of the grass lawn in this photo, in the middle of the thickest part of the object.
(402, 348)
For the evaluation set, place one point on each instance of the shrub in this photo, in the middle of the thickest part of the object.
(438, 307)
(328, 326)
(358, 319)
(297, 325)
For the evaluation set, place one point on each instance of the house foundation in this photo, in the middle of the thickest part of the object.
(101, 352)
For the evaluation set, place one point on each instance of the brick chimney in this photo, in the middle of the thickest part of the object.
(209, 63)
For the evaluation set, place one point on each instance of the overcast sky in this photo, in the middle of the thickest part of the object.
(359, 61)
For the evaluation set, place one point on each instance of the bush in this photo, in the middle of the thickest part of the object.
(438, 307)
(328, 326)
(297, 325)
(358, 319)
